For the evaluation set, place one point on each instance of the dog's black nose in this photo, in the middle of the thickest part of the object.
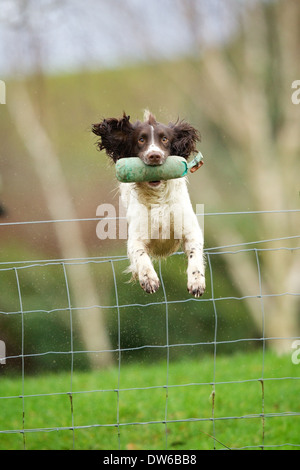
(154, 159)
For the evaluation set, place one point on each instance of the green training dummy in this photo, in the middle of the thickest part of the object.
(133, 170)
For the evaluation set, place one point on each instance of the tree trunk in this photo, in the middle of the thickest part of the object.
(48, 169)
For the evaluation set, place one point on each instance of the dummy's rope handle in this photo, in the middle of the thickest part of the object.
(195, 164)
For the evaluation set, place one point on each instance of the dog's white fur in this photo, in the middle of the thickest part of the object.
(148, 212)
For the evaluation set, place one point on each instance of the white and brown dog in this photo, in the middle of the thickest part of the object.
(159, 213)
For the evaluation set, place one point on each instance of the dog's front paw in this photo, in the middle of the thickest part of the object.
(196, 284)
(149, 282)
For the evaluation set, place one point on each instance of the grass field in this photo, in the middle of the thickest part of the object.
(133, 409)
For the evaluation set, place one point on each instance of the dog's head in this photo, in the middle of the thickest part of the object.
(149, 140)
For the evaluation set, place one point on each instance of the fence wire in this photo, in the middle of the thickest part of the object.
(255, 248)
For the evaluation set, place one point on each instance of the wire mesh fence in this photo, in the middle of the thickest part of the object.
(166, 344)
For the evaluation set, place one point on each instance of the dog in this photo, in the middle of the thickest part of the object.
(149, 205)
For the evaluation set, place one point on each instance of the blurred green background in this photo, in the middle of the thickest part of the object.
(228, 69)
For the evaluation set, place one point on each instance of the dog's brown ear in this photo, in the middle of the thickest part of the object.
(185, 139)
(114, 136)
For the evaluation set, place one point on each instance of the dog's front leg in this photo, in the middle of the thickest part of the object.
(195, 270)
(193, 247)
(141, 266)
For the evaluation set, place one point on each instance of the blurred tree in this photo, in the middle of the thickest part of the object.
(244, 91)
(80, 281)
(25, 18)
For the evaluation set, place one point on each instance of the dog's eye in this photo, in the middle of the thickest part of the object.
(141, 140)
(164, 139)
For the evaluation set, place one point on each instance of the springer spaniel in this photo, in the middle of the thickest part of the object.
(159, 213)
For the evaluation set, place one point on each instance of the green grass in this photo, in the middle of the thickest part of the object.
(141, 411)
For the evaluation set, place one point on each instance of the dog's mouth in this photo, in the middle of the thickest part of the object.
(154, 184)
